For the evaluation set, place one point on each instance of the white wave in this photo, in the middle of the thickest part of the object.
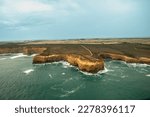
(124, 76)
(103, 71)
(28, 71)
(3, 58)
(66, 64)
(50, 76)
(137, 65)
(148, 75)
(132, 64)
(63, 73)
(33, 55)
(18, 56)
(68, 93)
(58, 62)
(98, 73)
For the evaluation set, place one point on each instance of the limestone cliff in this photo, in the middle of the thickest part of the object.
(87, 57)
(84, 63)
(33, 50)
(11, 50)
(24, 50)
(126, 58)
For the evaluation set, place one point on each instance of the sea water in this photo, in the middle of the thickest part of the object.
(21, 80)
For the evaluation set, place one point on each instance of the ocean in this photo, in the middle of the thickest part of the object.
(22, 80)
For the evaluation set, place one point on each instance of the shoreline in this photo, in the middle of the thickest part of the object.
(69, 65)
(87, 57)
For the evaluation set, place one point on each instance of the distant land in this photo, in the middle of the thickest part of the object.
(87, 54)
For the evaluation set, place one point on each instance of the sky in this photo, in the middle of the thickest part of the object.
(72, 19)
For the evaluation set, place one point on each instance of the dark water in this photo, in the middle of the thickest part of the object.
(19, 79)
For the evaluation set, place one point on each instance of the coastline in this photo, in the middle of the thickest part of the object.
(88, 57)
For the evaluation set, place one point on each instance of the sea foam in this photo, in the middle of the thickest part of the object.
(2, 59)
(69, 92)
(33, 55)
(28, 71)
(18, 56)
(148, 75)
(63, 73)
(50, 76)
(96, 74)
(137, 65)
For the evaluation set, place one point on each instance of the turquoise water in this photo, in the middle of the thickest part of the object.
(20, 79)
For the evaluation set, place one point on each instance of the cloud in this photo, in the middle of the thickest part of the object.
(120, 6)
(19, 6)
(33, 12)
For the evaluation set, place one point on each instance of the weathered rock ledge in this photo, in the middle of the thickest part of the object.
(24, 50)
(126, 58)
(87, 63)
(87, 57)
(84, 63)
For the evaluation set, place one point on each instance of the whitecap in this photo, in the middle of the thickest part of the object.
(68, 93)
(98, 73)
(50, 76)
(148, 75)
(123, 76)
(58, 62)
(2, 58)
(18, 56)
(28, 71)
(33, 55)
(66, 64)
(137, 65)
(63, 73)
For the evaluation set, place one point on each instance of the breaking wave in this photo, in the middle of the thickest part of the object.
(50, 76)
(2, 59)
(131, 64)
(33, 55)
(63, 73)
(96, 74)
(137, 65)
(148, 75)
(64, 64)
(28, 71)
(18, 56)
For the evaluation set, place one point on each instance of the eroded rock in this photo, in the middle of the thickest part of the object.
(84, 63)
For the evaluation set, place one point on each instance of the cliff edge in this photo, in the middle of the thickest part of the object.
(84, 63)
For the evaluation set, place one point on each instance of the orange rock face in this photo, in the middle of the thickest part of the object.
(87, 64)
(33, 50)
(25, 50)
(126, 58)
(10, 50)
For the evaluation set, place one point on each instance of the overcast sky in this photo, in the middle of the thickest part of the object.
(68, 19)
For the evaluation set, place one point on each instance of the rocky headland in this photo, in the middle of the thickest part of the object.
(87, 57)
(125, 58)
(84, 63)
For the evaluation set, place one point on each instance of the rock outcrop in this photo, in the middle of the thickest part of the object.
(24, 50)
(33, 50)
(11, 50)
(87, 57)
(84, 63)
(126, 58)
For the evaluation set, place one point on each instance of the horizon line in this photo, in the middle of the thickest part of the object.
(57, 39)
